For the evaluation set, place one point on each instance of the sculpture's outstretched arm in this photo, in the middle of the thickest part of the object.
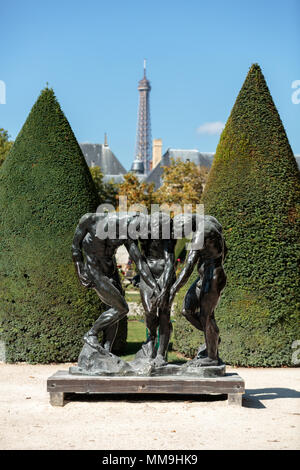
(80, 232)
(168, 274)
(141, 265)
(185, 273)
(77, 255)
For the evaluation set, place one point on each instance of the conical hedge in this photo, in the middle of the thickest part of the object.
(253, 190)
(45, 187)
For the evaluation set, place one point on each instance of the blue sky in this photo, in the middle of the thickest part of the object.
(198, 55)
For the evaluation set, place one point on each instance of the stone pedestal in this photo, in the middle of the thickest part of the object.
(63, 382)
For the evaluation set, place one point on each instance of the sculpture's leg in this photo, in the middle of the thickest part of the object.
(152, 325)
(165, 330)
(191, 304)
(109, 336)
(110, 295)
(211, 333)
(110, 333)
(208, 302)
(151, 319)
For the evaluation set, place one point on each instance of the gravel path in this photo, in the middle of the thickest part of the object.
(269, 418)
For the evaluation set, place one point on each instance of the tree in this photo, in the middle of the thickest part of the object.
(45, 188)
(107, 191)
(137, 192)
(254, 191)
(5, 144)
(183, 183)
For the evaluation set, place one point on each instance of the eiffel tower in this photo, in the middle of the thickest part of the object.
(143, 149)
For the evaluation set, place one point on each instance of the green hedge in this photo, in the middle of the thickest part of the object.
(253, 189)
(45, 187)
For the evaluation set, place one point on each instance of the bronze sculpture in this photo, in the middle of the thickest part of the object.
(155, 263)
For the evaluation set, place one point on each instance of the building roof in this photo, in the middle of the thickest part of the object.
(199, 158)
(117, 179)
(102, 156)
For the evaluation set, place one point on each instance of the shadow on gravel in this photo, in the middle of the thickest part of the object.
(252, 397)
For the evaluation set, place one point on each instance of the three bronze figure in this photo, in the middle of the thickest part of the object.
(150, 241)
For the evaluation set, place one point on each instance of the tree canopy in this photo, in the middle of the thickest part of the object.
(107, 192)
(136, 191)
(183, 183)
(5, 144)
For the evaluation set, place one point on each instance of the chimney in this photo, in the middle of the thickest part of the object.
(105, 140)
(156, 152)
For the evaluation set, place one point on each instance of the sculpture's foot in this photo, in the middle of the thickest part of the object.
(143, 360)
(202, 351)
(147, 350)
(159, 361)
(92, 340)
(203, 367)
(206, 361)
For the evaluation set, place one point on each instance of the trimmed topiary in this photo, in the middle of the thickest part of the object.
(45, 187)
(253, 190)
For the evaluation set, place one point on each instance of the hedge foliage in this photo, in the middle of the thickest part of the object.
(45, 187)
(253, 189)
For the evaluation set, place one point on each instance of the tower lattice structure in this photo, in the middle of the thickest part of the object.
(143, 149)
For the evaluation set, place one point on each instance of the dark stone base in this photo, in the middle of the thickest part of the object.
(99, 362)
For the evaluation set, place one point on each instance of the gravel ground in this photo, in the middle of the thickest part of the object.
(269, 418)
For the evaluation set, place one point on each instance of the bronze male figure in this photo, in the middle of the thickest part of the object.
(203, 296)
(99, 270)
(158, 250)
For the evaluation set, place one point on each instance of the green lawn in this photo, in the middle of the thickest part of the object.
(133, 296)
(135, 338)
